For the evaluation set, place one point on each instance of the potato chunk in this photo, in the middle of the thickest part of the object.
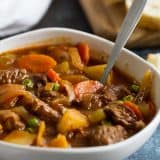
(60, 142)
(20, 137)
(95, 72)
(72, 119)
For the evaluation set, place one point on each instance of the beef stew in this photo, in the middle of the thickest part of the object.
(51, 96)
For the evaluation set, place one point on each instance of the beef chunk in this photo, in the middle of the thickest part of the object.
(43, 111)
(91, 101)
(12, 76)
(48, 96)
(139, 125)
(104, 135)
(113, 93)
(39, 81)
(10, 120)
(121, 114)
(141, 96)
(103, 96)
(56, 100)
(50, 131)
(78, 138)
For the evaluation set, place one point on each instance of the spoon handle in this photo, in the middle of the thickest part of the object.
(126, 30)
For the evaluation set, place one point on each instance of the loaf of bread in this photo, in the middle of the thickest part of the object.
(151, 15)
(154, 59)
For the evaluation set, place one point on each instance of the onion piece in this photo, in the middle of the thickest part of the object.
(69, 88)
(75, 58)
(10, 91)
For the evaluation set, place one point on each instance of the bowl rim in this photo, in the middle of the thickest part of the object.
(154, 122)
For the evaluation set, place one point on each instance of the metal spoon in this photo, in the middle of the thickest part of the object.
(127, 28)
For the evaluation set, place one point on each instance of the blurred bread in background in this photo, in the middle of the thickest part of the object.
(154, 59)
(106, 16)
(151, 14)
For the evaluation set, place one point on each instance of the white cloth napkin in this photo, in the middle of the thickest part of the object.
(20, 15)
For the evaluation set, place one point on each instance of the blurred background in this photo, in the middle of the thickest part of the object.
(101, 17)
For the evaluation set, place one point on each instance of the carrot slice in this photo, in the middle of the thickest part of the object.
(133, 107)
(83, 49)
(53, 76)
(36, 63)
(85, 87)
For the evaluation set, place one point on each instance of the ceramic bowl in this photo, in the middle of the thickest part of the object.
(127, 61)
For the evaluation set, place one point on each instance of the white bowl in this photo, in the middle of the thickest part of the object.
(127, 61)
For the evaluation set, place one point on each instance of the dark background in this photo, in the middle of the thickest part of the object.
(65, 13)
(68, 13)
